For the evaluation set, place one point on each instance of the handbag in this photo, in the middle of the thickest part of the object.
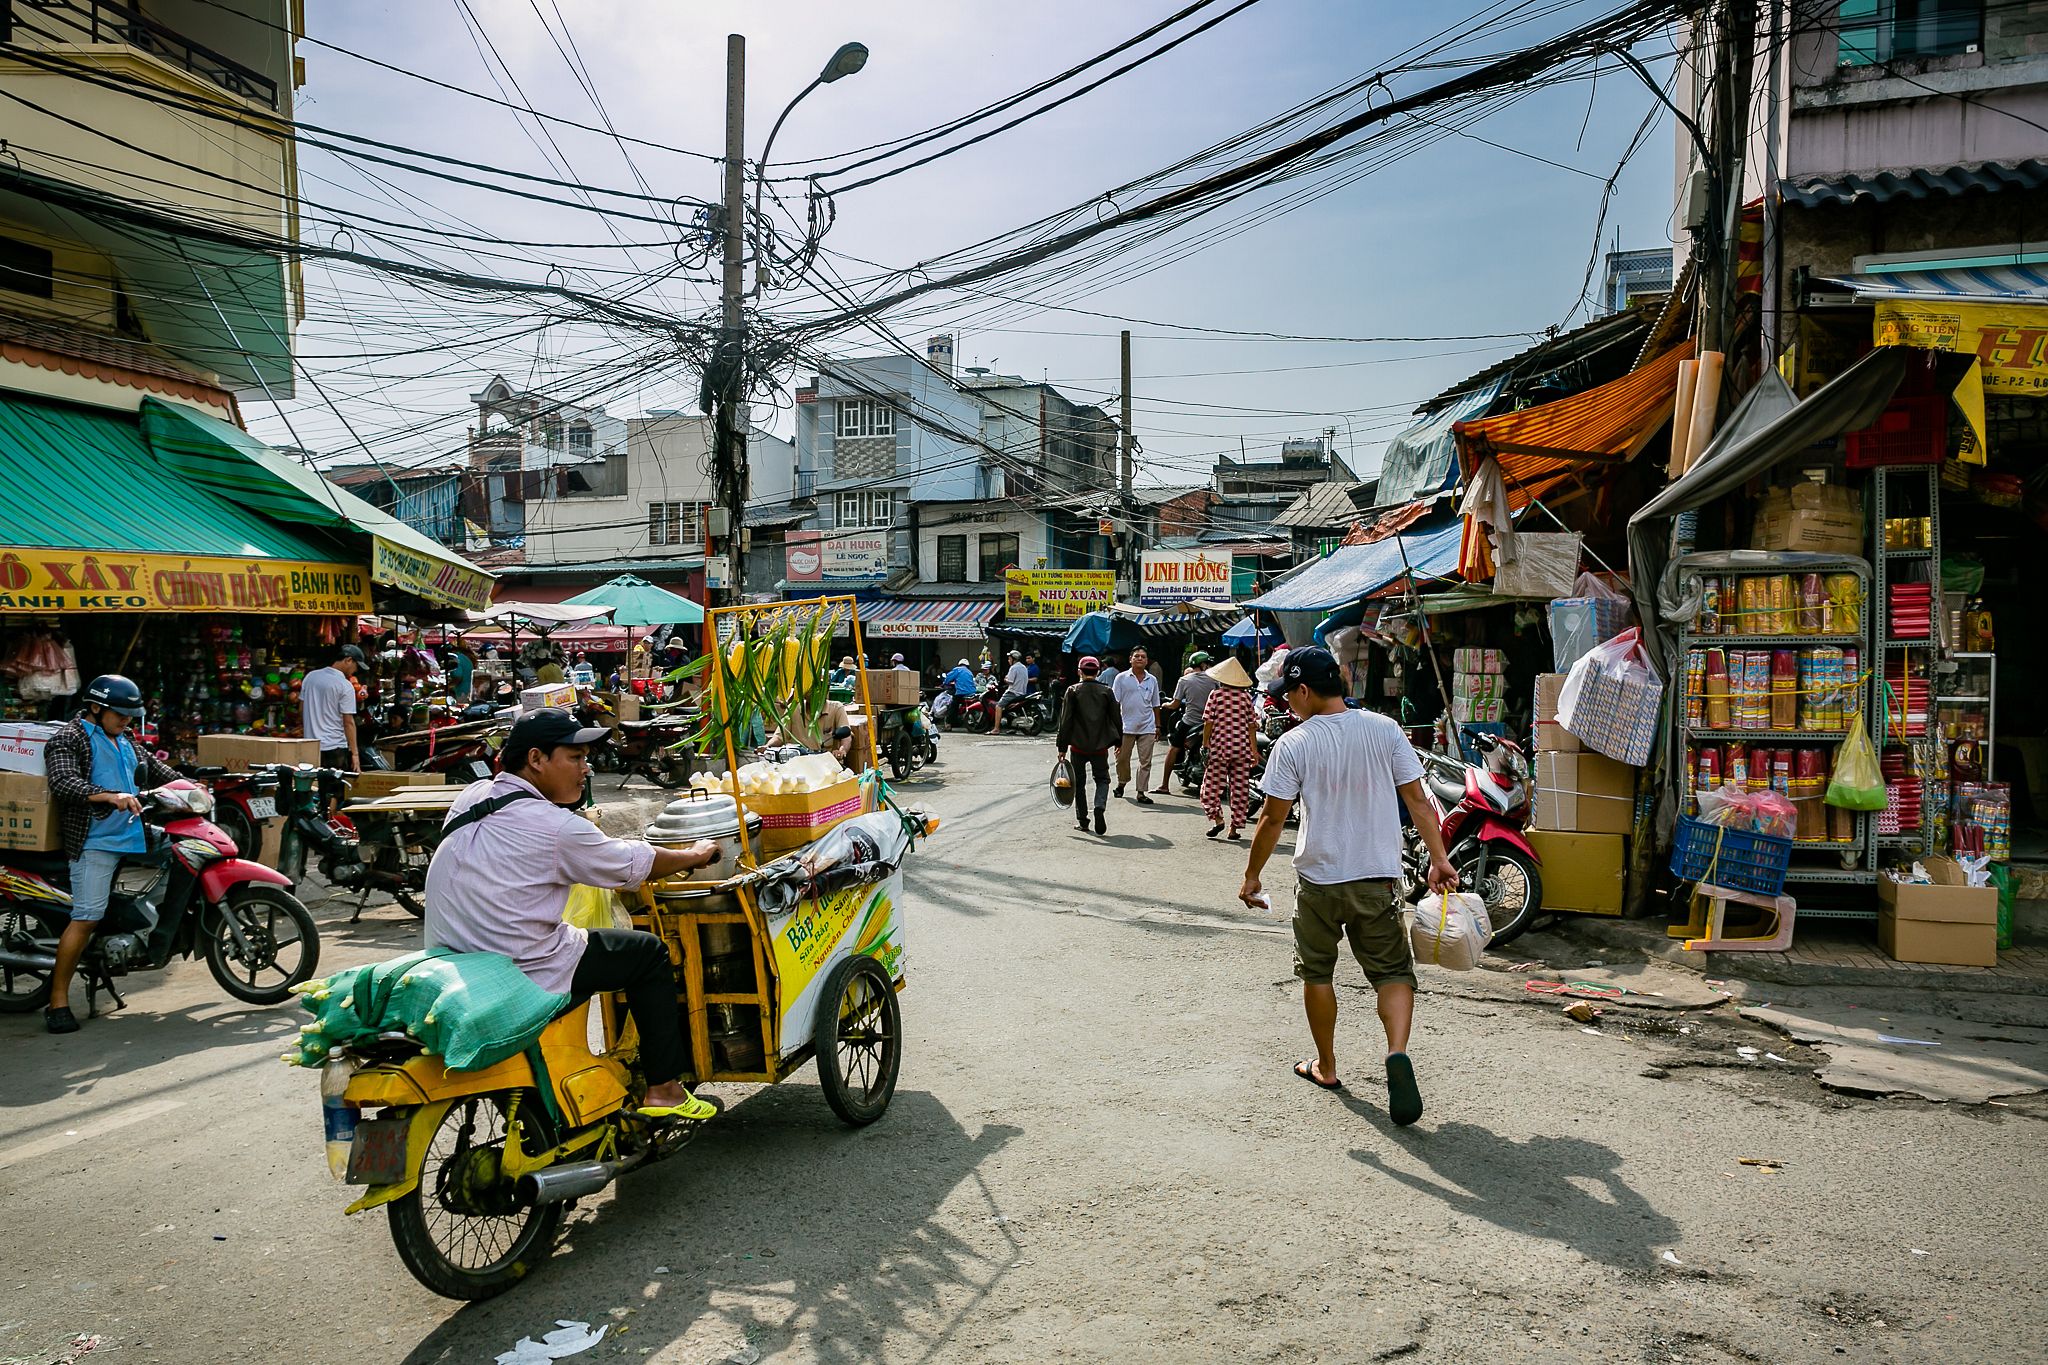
(1063, 782)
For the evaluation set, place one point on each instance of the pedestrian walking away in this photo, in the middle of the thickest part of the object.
(1137, 698)
(327, 708)
(1190, 698)
(1230, 745)
(1346, 768)
(1090, 726)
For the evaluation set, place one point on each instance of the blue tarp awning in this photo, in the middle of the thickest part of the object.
(1423, 460)
(1251, 634)
(1352, 571)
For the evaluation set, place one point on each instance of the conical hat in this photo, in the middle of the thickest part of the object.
(1231, 673)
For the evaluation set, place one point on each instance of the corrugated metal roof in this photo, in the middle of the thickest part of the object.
(1983, 177)
(1578, 344)
(1322, 504)
(1352, 571)
(83, 479)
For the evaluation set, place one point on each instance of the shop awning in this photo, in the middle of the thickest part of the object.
(1968, 284)
(1538, 447)
(930, 618)
(1423, 460)
(90, 523)
(1352, 571)
(239, 468)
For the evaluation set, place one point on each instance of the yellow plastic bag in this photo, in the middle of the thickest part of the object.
(589, 908)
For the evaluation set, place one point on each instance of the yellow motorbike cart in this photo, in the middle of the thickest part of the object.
(477, 1168)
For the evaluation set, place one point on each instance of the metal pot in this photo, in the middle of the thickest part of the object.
(705, 815)
(703, 898)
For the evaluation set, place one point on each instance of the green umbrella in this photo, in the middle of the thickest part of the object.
(636, 602)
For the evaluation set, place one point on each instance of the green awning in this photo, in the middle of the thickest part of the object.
(89, 521)
(229, 461)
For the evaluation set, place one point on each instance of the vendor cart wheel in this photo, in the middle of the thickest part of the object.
(900, 763)
(859, 1040)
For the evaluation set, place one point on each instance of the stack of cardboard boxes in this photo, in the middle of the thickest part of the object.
(28, 818)
(1585, 808)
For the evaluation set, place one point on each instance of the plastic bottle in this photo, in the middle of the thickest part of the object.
(337, 1114)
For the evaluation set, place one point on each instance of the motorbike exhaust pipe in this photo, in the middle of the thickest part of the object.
(571, 1180)
(33, 962)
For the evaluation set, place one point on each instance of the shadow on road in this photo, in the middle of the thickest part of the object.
(777, 1223)
(1538, 1188)
(44, 1067)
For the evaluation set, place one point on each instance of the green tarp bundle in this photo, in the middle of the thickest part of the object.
(471, 1010)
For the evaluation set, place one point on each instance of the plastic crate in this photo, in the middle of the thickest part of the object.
(1912, 430)
(1738, 859)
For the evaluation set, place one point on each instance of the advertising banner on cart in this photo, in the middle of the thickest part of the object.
(1170, 576)
(2011, 340)
(857, 920)
(36, 580)
(437, 580)
(1057, 594)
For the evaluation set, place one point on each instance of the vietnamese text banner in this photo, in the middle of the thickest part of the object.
(1056, 594)
(437, 580)
(2011, 340)
(1170, 576)
(34, 580)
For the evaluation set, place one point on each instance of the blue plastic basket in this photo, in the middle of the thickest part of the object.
(1738, 859)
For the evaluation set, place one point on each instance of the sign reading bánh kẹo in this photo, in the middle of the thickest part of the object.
(38, 580)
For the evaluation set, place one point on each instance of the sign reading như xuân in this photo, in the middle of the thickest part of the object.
(1057, 594)
(2009, 340)
(84, 581)
(1169, 576)
(437, 580)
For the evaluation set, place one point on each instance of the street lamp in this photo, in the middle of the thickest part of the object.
(848, 60)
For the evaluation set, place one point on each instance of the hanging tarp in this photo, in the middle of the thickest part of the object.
(1352, 571)
(1423, 460)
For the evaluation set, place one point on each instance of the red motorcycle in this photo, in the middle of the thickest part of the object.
(187, 894)
(1481, 812)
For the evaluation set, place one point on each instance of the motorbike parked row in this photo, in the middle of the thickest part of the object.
(1027, 715)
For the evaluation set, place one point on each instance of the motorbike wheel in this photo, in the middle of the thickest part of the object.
(1513, 891)
(604, 758)
(462, 1231)
(669, 771)
(1030, 722)
(291, 857)
(283, 944)
(27, 929)
(235, 823)
(900, 761)
(859, 1040)
(931, 751)
(408, 898)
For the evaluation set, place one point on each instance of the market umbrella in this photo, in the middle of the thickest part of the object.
(1250, 633)
(636, 602)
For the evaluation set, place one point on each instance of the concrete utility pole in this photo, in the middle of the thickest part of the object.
(729, 453)
(1735, 62)
(1130, 441)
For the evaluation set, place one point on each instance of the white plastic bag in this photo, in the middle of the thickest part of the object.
(1449, 929)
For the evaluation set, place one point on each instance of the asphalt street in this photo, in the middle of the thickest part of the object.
(1096, 1152)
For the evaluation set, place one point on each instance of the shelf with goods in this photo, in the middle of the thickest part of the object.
(1784, 692)
(1905, 515)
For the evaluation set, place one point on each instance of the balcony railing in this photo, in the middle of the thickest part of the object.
(110, 21)
(806, 483)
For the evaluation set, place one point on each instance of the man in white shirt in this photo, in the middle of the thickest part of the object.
(1137, 695)
(1346, 768)
(1016, 683)
(327, 708)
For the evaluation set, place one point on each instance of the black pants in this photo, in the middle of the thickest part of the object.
(636, 963)
(336, 759)
(1083, 765)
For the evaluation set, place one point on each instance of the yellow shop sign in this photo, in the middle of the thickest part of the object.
(37, 580)
(2009, 340)
(437, 580)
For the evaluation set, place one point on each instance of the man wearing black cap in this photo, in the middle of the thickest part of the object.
(1346, 767)
(510, 851)
(327, 708)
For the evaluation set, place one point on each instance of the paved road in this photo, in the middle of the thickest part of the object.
(1096, 1153)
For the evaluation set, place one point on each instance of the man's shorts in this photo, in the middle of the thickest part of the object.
(92, 882)
(1364, 912)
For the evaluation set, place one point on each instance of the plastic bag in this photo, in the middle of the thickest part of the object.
(1544, 565)
(591, 908)
(1610, 698)
(1590, 584)
(1063, 782)
(1450, 930)
(1858, 783)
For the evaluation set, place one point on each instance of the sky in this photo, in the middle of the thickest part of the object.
(1470, 237)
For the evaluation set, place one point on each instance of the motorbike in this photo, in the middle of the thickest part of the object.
(907, 739)
(315, 828)
(1482, 810)
(1192, 763)
(652, 748)
(1027, 715)
(965, 713)
(242, 802)
(189, 894)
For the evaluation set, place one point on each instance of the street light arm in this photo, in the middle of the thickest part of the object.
(761, 171)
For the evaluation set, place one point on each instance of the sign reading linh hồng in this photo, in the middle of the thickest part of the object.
(1170, 576)
(1056, 594)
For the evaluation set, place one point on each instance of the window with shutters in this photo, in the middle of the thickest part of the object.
(866, 417)
(675, 523)
(997, 554)
(874, 509)
(952, 559)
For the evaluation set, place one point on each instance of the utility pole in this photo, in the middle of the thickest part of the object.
(729, 452)
(1130, 441)
(1734, 65)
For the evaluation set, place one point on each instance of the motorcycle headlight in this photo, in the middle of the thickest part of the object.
(196, 800)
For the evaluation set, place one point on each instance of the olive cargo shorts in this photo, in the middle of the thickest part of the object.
(1365, 912)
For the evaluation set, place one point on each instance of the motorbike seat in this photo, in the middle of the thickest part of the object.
(1447, 791)
(662, 722)
(51, 867)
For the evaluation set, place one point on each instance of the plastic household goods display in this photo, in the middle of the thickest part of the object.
(1982, 823)
(1449, 929)
(1740, 860)
(1611, 697)
(1814, 688)
(469, 1009)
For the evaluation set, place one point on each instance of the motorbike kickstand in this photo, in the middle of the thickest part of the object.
(95, 982)
(361, 901)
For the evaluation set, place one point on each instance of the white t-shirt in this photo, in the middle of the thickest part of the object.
(1017, 680)
(1343, 768)
(1137, 696)
(324, 698)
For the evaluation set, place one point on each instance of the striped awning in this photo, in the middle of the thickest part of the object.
(929, 618)
(1971, 284)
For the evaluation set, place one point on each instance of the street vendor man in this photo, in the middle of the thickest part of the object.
(511, 850)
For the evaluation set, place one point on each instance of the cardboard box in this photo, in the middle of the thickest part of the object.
(627, 706)
(367, 785)
(1808, 495)
(239, 753)
(891, 687)
(1584, 794)
(28, 817)
(1810, 530)
(559, 695)
(21, 746)
(1948, 922)
(1553, 738)
(1582, 873)
(1549, 687)
(789, 822)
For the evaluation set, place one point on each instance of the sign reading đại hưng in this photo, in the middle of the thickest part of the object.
(38, 580)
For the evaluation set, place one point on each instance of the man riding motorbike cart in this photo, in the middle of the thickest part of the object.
(510, 852)
(97, 777)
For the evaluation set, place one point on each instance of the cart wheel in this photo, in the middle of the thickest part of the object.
(859, 1040)
(900, 763)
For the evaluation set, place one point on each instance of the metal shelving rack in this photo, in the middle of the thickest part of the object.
(1887, 482)
(1986, 699)
(1853, 862)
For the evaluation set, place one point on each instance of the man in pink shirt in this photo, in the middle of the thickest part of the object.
(510, 851)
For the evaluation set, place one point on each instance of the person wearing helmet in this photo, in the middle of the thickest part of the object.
(1185, 707)
(899, 664)
(97, 776)
(327, 708)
